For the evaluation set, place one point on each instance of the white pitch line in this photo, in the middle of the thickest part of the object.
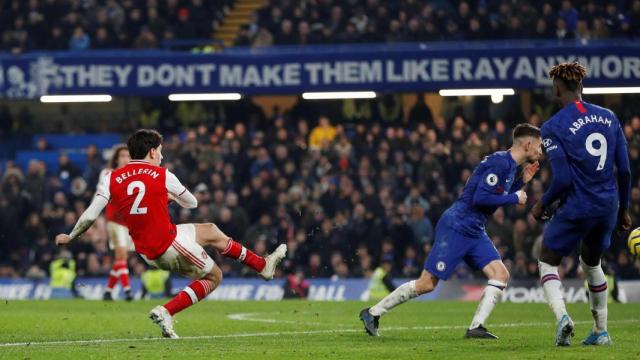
(286, 333)
(252, 317)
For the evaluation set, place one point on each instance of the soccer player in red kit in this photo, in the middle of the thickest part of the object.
(140, 192)
(119, 240)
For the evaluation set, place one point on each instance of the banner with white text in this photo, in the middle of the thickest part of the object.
(518, 291)
(291, 70)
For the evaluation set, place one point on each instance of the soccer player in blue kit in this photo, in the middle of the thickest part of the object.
(583, 143)
(461, 236)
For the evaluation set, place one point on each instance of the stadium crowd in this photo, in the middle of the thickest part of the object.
(287, 22)
(342, 192)
(103, 24)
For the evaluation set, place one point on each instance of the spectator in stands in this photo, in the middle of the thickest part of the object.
(184, 28)
(295, 285)
(56, 40)
(263, 38)
(420, 113)
(322, 135)
(79, 40)
(569, 14)
(146, 39)
(286, 36)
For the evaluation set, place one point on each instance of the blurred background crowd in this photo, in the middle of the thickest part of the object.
(344, 189)
(106, 24)
(344, 183)
(287, 22)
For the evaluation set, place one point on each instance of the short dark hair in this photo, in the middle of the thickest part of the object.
(113, 164)
(525, 129)
(142, 141)
(570, 73)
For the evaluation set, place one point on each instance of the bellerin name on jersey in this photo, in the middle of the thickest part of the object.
(128, 174)
(588, 119)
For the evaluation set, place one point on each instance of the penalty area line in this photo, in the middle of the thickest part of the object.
(286, 333)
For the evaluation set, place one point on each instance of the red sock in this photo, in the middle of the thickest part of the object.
(190, 295)
(113, 279)
(115, 273)
(121, 271)
(238, 252)
(124, 275)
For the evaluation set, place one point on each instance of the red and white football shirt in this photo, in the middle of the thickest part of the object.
(138, 193)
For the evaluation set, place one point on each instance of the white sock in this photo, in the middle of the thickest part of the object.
(598, 295)
(488, 301)
(403, 293)
(552, 289)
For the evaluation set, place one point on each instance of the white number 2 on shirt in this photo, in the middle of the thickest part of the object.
(135, 209)
(601, 151)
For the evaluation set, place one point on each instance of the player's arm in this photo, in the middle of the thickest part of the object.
(89, 216)
(528, 172)
(517, 185)
(179, 192)
(624, 180)
(561, 175)
(489, 191)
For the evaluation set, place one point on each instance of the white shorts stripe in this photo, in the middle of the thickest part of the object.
(197, 262)
(192, 294)
(188, 254)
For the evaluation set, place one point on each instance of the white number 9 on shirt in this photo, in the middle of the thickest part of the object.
(601, 151)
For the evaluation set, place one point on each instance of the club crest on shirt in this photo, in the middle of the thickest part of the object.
(492, 179)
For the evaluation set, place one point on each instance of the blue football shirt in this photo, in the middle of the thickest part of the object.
(492, 184)
(589, 137)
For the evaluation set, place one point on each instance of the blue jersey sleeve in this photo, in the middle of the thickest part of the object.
(559, 166)
(490, 189)
(624, 170)
(517, 185)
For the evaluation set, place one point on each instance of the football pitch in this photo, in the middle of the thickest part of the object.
(77, 329)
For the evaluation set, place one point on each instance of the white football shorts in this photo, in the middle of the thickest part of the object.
(185, 256)
(119, 236)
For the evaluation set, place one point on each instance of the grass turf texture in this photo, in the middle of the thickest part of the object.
(299, 330)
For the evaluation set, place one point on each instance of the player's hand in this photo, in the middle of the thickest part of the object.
(522, 197)
(624, 220)
(62, 239)
(530, 171)
(539, 212)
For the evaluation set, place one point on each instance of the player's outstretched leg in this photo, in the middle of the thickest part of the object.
(552, 286)
(370, 317)
(210, 234)
(498, 278)
(190, 295)
(598, 303)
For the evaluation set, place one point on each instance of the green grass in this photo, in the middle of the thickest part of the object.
(299, 330)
